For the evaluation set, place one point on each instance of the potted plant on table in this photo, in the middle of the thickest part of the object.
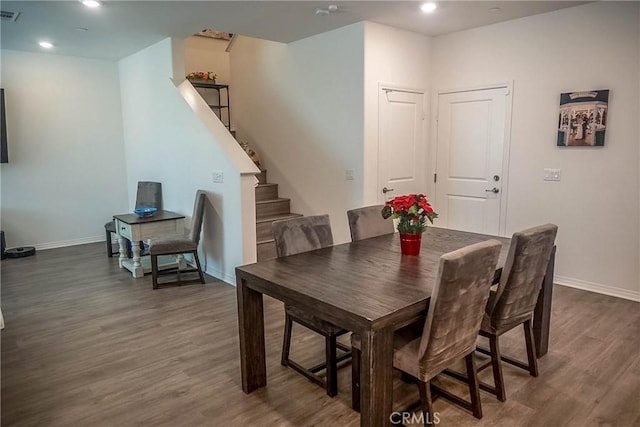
(413, 210)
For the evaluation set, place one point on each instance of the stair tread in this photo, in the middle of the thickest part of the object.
(271, 218)
(266, 184)
(260, 242)
(279, 199)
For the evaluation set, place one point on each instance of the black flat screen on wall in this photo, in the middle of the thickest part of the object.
(4, 152)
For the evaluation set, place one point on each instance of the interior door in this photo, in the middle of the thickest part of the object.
(470, 179)
(401, 143)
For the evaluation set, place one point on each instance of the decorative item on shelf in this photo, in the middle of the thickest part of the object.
(144, 212)
(413, 210)
(202, 77)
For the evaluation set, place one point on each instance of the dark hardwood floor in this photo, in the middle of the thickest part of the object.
(85, 344)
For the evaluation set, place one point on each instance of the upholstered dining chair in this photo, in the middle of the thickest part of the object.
(148, 195)
(367, 222)
(294, 236)
(425, 349)
(175, 245)
(513, 303)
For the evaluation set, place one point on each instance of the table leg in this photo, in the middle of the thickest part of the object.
(542, 312)
(122, 244)
(251, 330)
(137, 266)
(376, 377)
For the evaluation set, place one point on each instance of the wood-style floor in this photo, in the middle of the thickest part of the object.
(87, 345)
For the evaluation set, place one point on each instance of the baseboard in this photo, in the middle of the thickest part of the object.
(65, 243)
(229, 279)
(597, 287)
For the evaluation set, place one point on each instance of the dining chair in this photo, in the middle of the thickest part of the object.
(426, 348)
(294, 236)
(514, 301)
(175, 245)
(148, 195)
(367, 222)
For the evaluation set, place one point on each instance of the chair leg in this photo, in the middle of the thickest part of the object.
(531, 348)
(426, 402)
(474, 390)
(332, 365)
(195, 256)
(109, 248)
(496, 367)
(355, 379)
(286, 340)
(154, 270)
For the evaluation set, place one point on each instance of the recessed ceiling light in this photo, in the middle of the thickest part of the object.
(82, 29)
(46, 45)
(428, 7)
(494, 9)
(91, 3)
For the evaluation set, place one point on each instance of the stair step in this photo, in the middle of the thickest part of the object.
(272, 207)
(266, 192)
(266, 250)
(263, 225)
(262, 177)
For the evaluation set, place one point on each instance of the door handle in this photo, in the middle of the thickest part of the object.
(493, 190)
(385, 190)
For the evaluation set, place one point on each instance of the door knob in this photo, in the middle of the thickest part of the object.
(385, 190)
(493, 190)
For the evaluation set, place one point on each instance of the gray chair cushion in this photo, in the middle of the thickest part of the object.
(293, 236)
(367, 222)
(455, 312)
(173, 244)
(521, 278)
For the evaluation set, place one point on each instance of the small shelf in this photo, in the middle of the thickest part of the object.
(216, 107)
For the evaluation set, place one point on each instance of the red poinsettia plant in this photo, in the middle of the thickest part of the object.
(413, 210)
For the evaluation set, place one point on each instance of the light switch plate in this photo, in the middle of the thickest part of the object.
(551, 174)
(217, 177)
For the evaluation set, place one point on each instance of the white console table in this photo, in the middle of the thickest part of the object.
(138, 229)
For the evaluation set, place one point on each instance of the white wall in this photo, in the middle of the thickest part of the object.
(207, 54)
(166, 141)
(300, 106)
(66, 176)
(400, 58)
(594, 46)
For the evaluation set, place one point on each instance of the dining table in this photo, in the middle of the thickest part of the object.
(367, 287)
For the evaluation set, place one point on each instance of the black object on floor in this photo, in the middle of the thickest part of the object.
(20, 252)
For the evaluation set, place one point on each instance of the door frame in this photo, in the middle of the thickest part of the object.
(386, 87)
(506, 149)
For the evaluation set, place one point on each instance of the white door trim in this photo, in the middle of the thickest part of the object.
(508, 86)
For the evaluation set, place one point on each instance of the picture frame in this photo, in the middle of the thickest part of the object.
(582, 119)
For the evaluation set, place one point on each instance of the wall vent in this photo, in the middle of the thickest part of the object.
(9, 16)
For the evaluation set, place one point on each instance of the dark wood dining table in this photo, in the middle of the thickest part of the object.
(367, 287)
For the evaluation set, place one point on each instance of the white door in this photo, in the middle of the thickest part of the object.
(401, 152)
(470, 178)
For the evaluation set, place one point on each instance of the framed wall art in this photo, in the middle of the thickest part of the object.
(583, 118)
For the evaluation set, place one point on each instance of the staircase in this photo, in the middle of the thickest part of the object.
(269, 208)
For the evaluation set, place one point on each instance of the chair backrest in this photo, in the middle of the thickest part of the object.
(457, 304)
(149, 195)
(293, 236)
(198, 216)
(367, 222)
(522, 276)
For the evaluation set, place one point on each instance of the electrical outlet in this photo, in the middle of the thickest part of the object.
(349, 174)
(217, 177)
(551, 174)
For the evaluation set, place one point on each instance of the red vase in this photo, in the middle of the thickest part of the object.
(410, 244)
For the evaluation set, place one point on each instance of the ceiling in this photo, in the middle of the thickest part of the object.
(120, 28)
